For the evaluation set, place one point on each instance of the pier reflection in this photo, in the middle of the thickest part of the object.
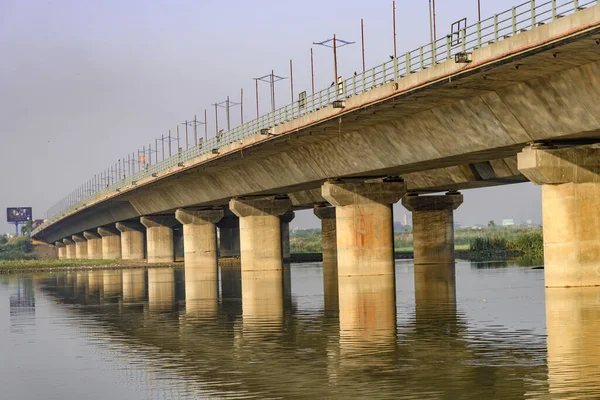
(573, 326)
(161, 289)
(250, 341)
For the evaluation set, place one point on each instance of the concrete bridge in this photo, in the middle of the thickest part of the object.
(509, 99)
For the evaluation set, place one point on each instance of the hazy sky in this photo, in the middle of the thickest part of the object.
(83, 83)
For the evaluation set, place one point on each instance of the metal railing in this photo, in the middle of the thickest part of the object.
(501, 26)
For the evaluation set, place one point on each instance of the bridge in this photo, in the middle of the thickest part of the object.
(509, 99)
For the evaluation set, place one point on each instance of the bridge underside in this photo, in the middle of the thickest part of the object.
(447, 128)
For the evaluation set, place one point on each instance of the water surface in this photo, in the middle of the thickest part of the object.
(490, 332)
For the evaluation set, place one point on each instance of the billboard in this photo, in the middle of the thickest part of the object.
(18, 214)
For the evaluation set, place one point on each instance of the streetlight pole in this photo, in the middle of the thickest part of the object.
(271, 79)
(334, 43)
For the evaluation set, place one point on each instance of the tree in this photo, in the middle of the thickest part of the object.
(27, 228)
(491, 224)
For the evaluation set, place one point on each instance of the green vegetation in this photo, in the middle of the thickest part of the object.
(476, 244)
(18, 248)
(32, 264)
(306, 241)
(18, 254)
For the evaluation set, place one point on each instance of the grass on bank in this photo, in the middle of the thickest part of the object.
(43, 264)
(487, 243)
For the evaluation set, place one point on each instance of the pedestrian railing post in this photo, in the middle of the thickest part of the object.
(514, 21)
(533, 13)
(408, 66)
(448, 47)
(495, 27)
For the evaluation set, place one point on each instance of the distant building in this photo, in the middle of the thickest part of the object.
(508, 222)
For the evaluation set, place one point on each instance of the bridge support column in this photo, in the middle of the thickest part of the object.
(62, 250)
(285, 220)
(433, 227)
(94, 245)
(111, 243)
(570, 180)
(329, 246)
(80, 247)
(200, 242)
(229, 236)
(132, 240)
(364, 225)
(70, 249)
(159, 234)
(260, 231)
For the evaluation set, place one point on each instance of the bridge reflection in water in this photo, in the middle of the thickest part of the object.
(238, 335)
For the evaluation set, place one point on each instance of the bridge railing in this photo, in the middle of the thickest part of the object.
(512, 22)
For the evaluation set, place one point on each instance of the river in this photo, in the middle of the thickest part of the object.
(487, 331)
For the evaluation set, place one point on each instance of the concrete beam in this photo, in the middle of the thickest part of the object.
(433, 227)
(260, 231)
(570, 180)
(159, 234)
(364, 223)
(132, 240)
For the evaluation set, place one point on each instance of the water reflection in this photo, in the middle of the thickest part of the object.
(573, 325)
(134, 285)
(262, 298)
(255, 340)
(161, 289)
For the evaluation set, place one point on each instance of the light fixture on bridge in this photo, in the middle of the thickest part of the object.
(215, 151)
(265, 131)
(134, 183)
(463, 58)
(154, 174)
(338, 104)
(180, 164)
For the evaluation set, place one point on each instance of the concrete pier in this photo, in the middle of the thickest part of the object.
(159, 234)
(111, 243)
(260, 231)
(329, 249)
(285, 220)
(200, 242)
(62, 250)
(70, 249)
(132, 240)
(364, 223)
(80, 247)
(94, 245)
(229, 236)
(433, 226)
(570, 180)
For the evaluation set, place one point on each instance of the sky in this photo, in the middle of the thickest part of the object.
(84, 83)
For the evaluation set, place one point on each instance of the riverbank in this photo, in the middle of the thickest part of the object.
(19, 266)
(492, 243)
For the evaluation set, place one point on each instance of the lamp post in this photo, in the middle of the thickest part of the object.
(334, 44)
(270, 79)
